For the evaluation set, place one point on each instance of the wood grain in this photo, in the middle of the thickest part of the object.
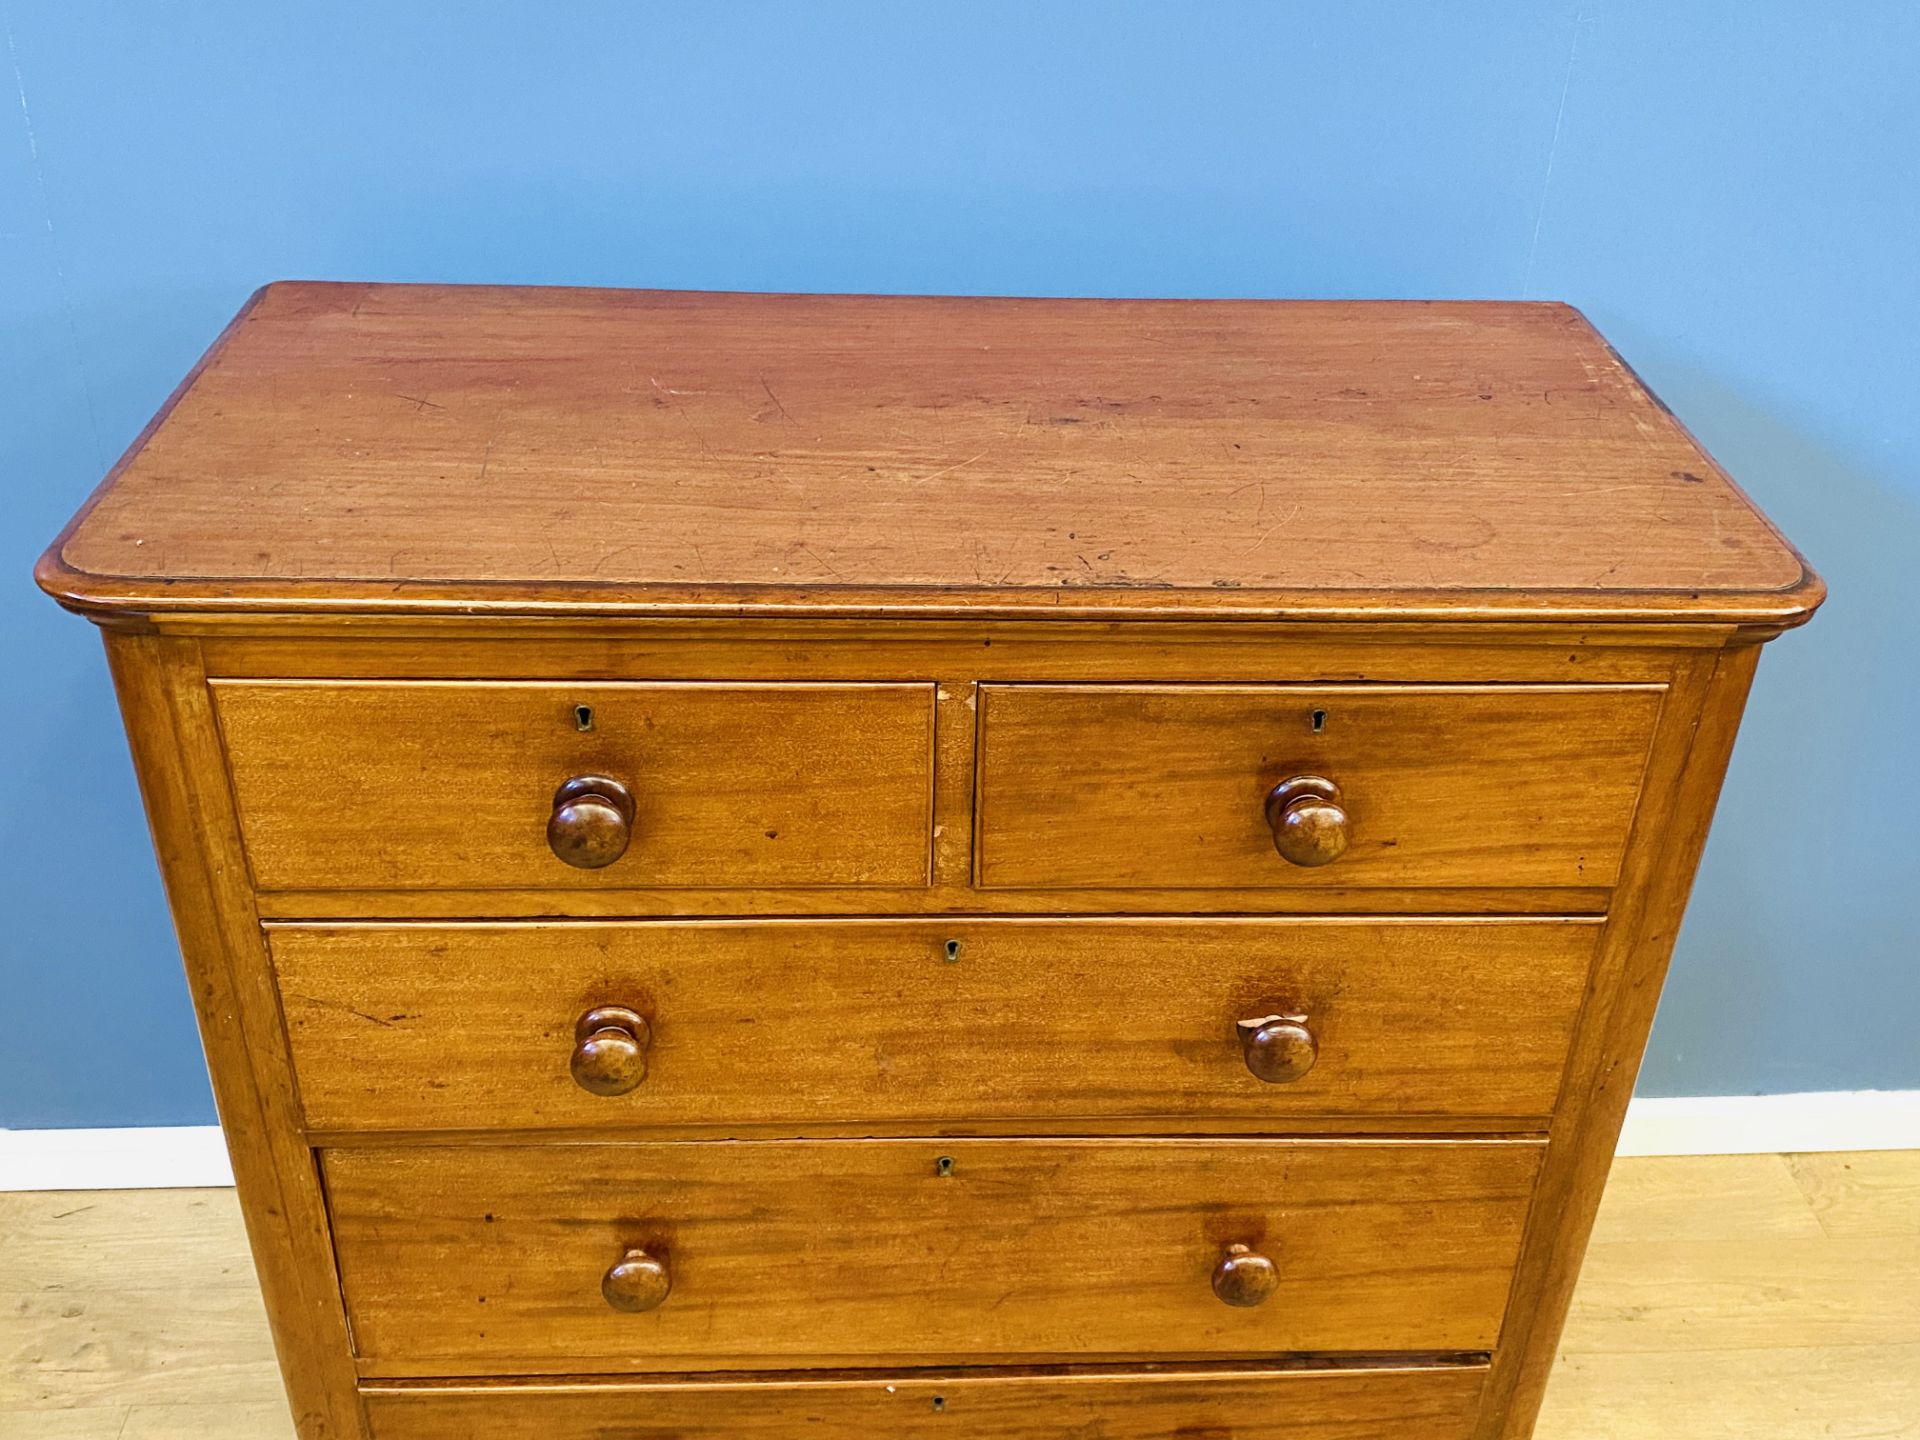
(952, 899)
(799, 1253)
(420, 784)
(261, 1420)
(167, 709)
(947, 1023)
(256, 647)
(81, 1370)
(1719, 1295)
(448, 448)
(1166, 785)
(949, 652)
(1753, 1200)
(104, 1240)
(1247, 1404)
(1684, 771)
(99, 1348)
(1871, 1196)
(1783, 1392)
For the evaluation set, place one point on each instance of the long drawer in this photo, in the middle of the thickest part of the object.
(1436, 1403)
(708, 1025)
(458, 784)
(1254, 786)
(563, 1259)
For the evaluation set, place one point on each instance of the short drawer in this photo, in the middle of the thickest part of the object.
(1245, 1403)
(761, 1255)
(1252, 786)
(419, 784)
(707, 1025)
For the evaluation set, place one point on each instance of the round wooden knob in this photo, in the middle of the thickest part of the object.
(1244, 1278)
(592, 821)
(1278, 1048)
(1309, 823)
(636, 1283)
(610, 1050)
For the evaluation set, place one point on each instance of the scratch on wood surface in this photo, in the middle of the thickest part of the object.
(824, 564)
(1260, 508)
(607, 559)
(1488, 530)
(979, 554)
(348, 1009)
(420, 405)
(1584, 492)
(775, 399)
(1278, 525)
(923, 479)
(668, 399)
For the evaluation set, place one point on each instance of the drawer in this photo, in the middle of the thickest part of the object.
(1194, 786)
(775, 1254)
(421, 784)
(919, 1023)
(1428, 1403)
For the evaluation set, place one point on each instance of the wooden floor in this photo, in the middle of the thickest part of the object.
(1765, 1297)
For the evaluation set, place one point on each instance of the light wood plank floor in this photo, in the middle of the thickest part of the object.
(1765, 1297)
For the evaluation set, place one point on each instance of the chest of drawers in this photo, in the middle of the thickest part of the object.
(808, 866)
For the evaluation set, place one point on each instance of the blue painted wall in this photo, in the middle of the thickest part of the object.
(1729, 189)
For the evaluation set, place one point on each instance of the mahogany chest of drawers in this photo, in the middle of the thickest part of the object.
(793, 866)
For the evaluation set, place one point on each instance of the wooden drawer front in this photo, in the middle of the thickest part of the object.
(416, 785)
(911, 1023)
(1438, 1403)
(784, 1253)
(1166, 785)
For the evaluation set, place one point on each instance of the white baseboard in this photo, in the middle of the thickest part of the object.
(1763, 1124)
(182, 1156)
(160, 1157)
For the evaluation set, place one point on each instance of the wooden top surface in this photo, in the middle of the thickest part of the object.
(419, 449)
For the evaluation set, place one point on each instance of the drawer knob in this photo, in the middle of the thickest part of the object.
(1308, 821)
(592, 821)
(610, 1050)
(1243, 1277)
(636, 1283)
(1278, 1048)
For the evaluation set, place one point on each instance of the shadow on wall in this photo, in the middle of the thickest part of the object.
(1795, 967)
